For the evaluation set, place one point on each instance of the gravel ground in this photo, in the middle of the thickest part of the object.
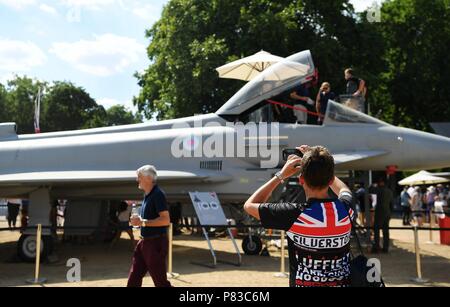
(103, 267)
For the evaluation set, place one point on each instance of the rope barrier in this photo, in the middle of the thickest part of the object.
(240, 226)
(295, 108)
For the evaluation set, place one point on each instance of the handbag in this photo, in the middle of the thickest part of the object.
(359, 267)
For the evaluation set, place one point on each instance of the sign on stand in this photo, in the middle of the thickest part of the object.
(210, 213)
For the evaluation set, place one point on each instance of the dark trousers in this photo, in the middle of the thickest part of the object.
(12, 221)
(382, 224)
(406, 215)
(150, 256)
(13, 212)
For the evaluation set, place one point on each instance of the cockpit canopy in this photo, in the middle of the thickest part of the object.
(339, 114)
(278, 78)
(252, 103)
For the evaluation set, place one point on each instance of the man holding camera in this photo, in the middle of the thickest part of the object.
(319, 230)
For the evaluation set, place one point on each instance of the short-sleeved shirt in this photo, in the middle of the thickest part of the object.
(324, 101)
(318, 233)
(301, 90)
(405, 199)
(154, 203)
(361, 198)
(384, 203)
(124, 216)
(352, 85)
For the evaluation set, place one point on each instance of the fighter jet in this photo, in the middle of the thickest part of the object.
(196, 154)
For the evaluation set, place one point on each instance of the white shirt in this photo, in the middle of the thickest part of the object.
(439, 208)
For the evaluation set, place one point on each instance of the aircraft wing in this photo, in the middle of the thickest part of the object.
(67, 177)
(344, 157)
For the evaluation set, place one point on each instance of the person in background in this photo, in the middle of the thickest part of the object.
(300, 95)
(423, 203)
(356, 88)
(323, 96)
(442, 192)
(405, 202)
(176, 217)
(373, 192)
(382, 216)
(53, 219)
(429, 198)
(13, 211)
(123, 224)
(411, 190)
(416, 206)
(24, 214)
(361, 199)
(438, 209)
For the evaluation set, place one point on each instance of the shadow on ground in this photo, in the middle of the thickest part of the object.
(98, 263)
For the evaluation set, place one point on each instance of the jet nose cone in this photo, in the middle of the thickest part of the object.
(428, 150)
(444, 149)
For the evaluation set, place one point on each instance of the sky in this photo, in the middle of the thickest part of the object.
(96, 44)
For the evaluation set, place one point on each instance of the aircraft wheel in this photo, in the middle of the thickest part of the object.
(26, 247)
(252, 245)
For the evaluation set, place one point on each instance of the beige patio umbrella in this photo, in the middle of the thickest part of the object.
(422, 177)
(249, 67)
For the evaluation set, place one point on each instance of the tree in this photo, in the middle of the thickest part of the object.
(119, 115)
(64, 106)
(68, 107)
(20, 99)
(4, 106)
(415, 85)
(193, 37)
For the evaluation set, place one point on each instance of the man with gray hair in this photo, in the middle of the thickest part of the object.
(151, 251)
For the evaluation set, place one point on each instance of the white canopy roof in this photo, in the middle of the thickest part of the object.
(276, 79)
(249, 67)
(422, 177)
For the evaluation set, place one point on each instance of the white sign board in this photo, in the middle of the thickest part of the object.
(208, 208)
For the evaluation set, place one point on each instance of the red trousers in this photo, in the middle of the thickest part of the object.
(150, 256)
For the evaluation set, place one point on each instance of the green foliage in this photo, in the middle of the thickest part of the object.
(119, 115)
(20, 98)
(64, 106)
(403, 58)
(67, 107)
(4, 107)
(417, 36)
(193, 37)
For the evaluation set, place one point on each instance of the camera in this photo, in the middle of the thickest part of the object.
(291, 151)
